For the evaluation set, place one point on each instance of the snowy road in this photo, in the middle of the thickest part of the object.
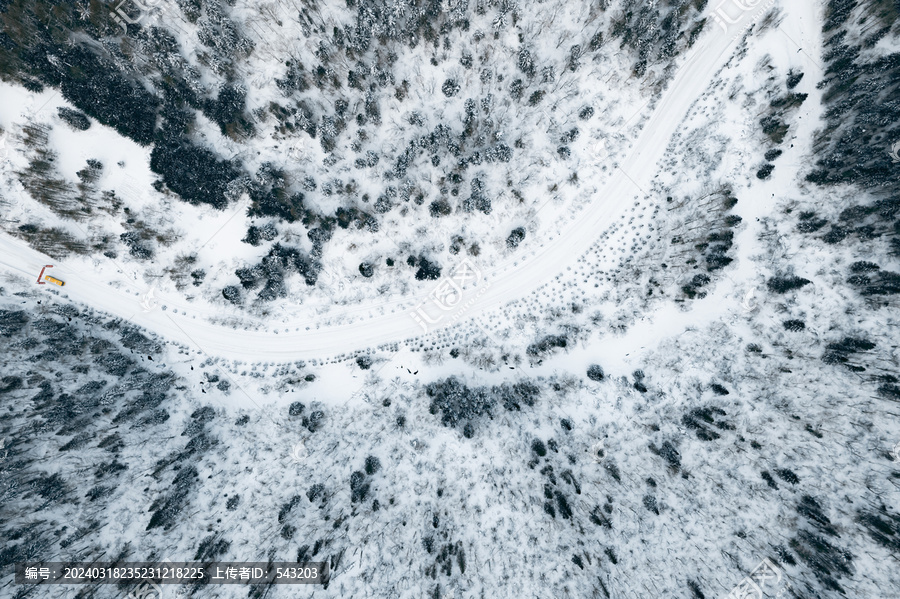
(184, 323)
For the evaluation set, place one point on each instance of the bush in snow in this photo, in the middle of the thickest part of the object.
(428, 271)
(256, 235)
(477, 200)
(765, 171)
(232, 293)
(704, 421)
(882, 525)
(359, 487)
(135, 246)
(785, 284)
(828, 562)
(373, 465)
(595, 372)
(450, 88)
(794, 325)
(545, 345)
(456, 402)
(439, 208)
(515, 238)
(314, 421)
(668, 452)
(516, 395)
(287, 506)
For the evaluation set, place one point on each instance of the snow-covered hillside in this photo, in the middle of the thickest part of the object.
(466, 298)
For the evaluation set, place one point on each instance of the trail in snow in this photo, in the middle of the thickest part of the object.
(504, 282)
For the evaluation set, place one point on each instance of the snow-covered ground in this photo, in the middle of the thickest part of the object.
(389, 321)
(584, 420)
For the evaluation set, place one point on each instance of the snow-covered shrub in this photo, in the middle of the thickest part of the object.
(256, 235)
(595, 373)
(704, 421)
(450, 88)
(765, 171)
(428, 271)
(232, 293)
(669, 453)
(314, 421)
(545, 345)
(794, 325)
(439, 207)
(784, 284)
(457, 403)
(373, 465)
(359, 487)
(367, 269)
(515, 238)
(515, 396)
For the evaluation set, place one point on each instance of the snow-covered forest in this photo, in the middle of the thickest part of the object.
(465, 298)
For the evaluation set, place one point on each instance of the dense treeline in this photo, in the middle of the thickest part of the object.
(83, 402)
(855, 146)
(462, 407)
(862, 117)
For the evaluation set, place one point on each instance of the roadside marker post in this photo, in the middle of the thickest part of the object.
(41, 276)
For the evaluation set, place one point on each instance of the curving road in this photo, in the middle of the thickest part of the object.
(503, 282)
